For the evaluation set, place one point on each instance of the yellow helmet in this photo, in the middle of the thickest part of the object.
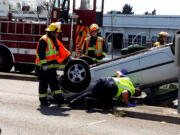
(54, 27)
(163, 34)
(94, 27)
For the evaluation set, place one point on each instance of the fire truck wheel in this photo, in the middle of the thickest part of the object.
(87, 59)
(76, 76)
(6, 60)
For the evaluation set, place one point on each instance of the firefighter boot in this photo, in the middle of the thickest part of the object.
(44, 102)
(59, 99)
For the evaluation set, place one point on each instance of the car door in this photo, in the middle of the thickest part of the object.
(131, 64)
(157, 66)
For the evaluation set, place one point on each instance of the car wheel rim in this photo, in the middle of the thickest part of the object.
(76, 73)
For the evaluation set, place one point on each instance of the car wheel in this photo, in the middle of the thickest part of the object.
(153, 99)
(6, 60)
(76, 76)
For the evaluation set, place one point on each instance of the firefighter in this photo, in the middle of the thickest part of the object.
(106, 89)
(162, 37)
(94, 45)
(49, 54)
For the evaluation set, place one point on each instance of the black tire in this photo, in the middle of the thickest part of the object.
(87, 59)
(76, 76)
(24, 68)
(150, 98)
(172, 95)
(153, 99)
(6, 60)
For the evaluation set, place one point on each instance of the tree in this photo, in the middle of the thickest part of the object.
(10, 7)
(146, 13)
(152, 13)
(127, 9)
(45, 5)
(39, 9)
(111, 12)
(18, 5)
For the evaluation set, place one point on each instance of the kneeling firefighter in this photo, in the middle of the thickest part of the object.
(49, 54)
(105, 90)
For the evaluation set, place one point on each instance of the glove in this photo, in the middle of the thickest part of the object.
(131, 105)
(45, 68)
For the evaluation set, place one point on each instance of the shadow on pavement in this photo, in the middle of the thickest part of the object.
(153, 117)
(92, 110)
(95, 110)
(54, 110)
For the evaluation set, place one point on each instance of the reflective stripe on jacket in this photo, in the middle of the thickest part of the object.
(55, 92)
(99, 46)
(51, 53)
(124, 83)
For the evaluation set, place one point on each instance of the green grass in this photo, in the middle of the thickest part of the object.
(135, 49)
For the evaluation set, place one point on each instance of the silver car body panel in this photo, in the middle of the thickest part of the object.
(151, 67)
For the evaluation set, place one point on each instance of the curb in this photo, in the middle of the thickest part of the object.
(16, 76)
(159, 114)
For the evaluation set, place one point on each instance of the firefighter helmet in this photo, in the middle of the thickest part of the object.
(94, 27)
(54, 27)
(163, 34)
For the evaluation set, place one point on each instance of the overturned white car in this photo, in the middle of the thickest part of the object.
(146, 68)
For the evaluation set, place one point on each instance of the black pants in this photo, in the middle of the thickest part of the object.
(102, 93)
(47, 78)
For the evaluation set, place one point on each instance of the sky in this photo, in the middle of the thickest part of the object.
(163, 7)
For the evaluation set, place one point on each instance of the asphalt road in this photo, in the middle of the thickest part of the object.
(20, 114)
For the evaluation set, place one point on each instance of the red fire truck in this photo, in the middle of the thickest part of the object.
(19, 35)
